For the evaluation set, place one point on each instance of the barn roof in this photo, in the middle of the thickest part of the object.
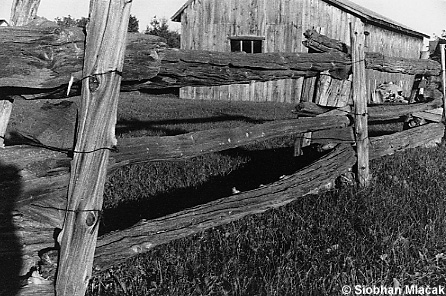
(3, 22)
(435, 50)
(367, 15)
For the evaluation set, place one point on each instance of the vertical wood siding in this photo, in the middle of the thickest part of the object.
(208, 24)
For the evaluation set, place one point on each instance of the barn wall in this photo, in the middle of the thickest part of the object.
(208, 24)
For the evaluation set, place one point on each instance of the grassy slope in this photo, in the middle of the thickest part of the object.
(392, 232)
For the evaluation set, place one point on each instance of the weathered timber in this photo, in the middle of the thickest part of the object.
(379, 62)
(37, 289)
(59, 57)
(425, 135)
(201, 68)
(376, 112)
(308, 89)
(310, 109)
(443, 76)
(332, 92)
(52, 125)
(434, 115)
(389, 112)
(23, 11)
(118, 246)
(46, 70)
(193, 144)
(5, 114)
(104, 58)
(115, 247)
(216, 68)
(335, 135)
(321, 43)
(31, 237)
(374, 60)
(178, 68)
(360, 102)
(44, 172)
(343, 111)
(48, 57)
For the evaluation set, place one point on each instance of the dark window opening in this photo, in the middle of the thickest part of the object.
(246, 45)
(236, 46)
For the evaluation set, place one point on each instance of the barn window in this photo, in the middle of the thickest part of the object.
(248, 44)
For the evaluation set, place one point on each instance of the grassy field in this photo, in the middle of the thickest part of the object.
(392, 233)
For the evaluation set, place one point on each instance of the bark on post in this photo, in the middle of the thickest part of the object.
(360, 101)
(105, 44)
(22, 12)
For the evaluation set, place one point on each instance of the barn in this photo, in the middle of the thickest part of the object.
(3, 23)
(256, 26)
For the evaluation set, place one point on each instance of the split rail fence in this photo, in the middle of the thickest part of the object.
(36, 181)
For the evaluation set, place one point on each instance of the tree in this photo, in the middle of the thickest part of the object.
(69, 21)
(66, 21)
(82, 22)
(133, 24)
(159, 27)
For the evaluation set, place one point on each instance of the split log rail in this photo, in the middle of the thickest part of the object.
(45, 70)
(41, 179)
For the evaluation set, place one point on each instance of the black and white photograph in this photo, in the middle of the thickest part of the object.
(222, 147)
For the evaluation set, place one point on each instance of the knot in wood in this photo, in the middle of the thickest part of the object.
(93, 83)
(91, 219)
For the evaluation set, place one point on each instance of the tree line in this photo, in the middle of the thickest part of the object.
(158, 27)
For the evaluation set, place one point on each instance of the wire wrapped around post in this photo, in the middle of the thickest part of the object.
(360, 101)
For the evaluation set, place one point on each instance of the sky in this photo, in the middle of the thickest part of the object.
(427, 16)
(144, 10)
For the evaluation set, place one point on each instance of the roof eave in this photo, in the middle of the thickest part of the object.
(376, 21)
(395, 27)
(364, 17)
(177, 16)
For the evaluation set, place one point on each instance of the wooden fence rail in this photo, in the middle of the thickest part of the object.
(376, 112)
(45, 176)
(45, 172)
(147, 234)
(45, 70)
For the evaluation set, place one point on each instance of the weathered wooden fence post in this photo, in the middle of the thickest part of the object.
(443, 75)
(22, 12)
(360, 101)
(104, 56)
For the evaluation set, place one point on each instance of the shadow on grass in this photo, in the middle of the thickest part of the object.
(264, 167)
(10, 247)
(162, 91)
(383, 128)
(126, 126)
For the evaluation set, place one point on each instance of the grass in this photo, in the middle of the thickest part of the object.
(392, 232)
(159, 188)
